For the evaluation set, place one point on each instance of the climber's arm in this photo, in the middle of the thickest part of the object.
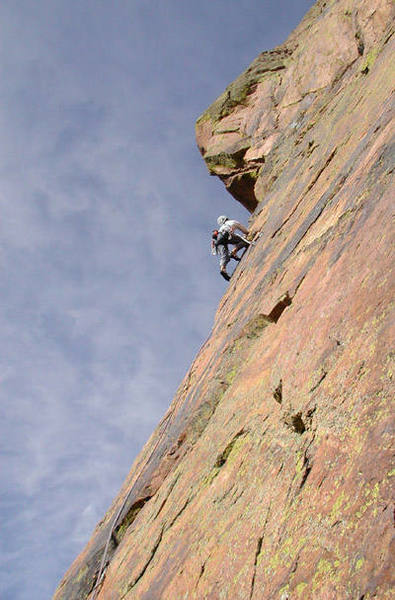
(241, 228)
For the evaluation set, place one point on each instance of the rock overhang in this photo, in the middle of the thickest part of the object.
(251, 129)
(274, 457)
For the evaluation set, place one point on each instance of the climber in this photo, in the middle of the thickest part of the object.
(224, 236)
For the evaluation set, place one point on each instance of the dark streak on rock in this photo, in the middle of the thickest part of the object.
(309, 187)
(258, 550)
(321, 379)
(307, 465)
(223, 457)
(128, 518)
(221, 498)
(237, 498)
(257, 553)
(147, 564)
(167, 497)
(202, 571)
(179, 513)
(295, 564)
(278, 392)
(358, 33)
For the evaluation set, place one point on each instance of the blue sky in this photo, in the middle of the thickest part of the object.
(107, 284)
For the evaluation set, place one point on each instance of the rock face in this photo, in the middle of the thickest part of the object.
(270, 475)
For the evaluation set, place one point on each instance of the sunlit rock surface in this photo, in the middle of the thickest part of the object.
(270, 476)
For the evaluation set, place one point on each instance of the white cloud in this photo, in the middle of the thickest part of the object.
(108, 286)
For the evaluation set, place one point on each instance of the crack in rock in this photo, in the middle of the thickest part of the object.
(320, 380)
(147, 564)
(278, 392)
(309, 187)
(188, 501)
(307, 466)
(255, 326)
(257, 553)
(223, 457)
(127, 520)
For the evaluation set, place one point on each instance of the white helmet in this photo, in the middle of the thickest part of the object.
(221, 220)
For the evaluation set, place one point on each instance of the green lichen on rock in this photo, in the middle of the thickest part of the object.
(228, 456)
(325, 570)
(129, 518)
(232, 159)
(359, 564)
(82, 573)
(236, 93)
(231, 375)
(300, 588)
(204, 414)
(370, 60)
(255, 326)
(284, 591)
(322, 240)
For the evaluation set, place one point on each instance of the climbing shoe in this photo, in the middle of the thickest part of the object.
(236, 257)
(225, 275)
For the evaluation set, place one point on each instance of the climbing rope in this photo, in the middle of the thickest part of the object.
(119, 512)
(102, 567)
(166, 422)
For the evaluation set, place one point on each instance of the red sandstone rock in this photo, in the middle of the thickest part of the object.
(270, 476)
